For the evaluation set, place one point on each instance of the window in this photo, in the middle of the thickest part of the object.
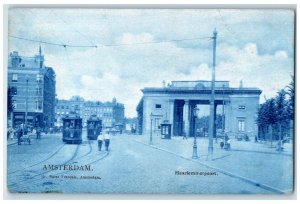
(39, 91)
(241, 125)
(157, 105)
(14, 77)
(39, 78)
(14, 103)
(157, 123)
(38, 105)
(242, 107)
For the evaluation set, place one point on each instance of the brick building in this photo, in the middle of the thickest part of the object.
(33, 90)
(111, 113)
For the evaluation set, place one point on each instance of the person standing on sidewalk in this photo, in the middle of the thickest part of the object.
(100, 141)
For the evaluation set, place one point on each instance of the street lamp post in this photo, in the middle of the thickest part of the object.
(151, 121)
(195, 154)
(26, 107)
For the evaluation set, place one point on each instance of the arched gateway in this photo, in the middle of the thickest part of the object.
(174, 104)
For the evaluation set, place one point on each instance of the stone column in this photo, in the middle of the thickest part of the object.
(186, 117)
(228, 118)
(192, 120)
(171, 114)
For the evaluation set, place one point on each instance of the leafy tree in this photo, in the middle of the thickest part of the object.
(276, 113)
(281, 110)
(291, 93)
(262, 120)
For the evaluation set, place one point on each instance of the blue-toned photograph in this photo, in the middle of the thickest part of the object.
(150, 101)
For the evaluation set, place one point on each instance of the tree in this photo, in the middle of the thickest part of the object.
(291, 93)
(281, 110)
(262, 120)
(277, 113)
(270, 116)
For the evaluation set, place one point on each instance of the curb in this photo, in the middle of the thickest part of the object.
(12, 143)
(267, 187)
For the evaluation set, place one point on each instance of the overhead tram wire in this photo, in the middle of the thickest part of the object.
(54, 44)
(107, 45)
(154, 42)
(68, 24)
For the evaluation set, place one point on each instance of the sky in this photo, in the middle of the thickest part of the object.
(255, 46)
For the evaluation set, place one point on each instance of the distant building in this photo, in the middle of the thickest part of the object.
(33, 89)
(111, 113)
(131, 125)
(174, 104)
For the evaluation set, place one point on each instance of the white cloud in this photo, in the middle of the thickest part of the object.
(129, 38)
(281, 54)
(243, 50)
(123, 73)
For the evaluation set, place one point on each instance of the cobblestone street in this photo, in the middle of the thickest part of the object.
(134, 166)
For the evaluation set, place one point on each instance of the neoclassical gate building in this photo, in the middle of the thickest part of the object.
(174, 104)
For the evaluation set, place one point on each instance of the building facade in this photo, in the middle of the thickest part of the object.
(33, 90)
(174, 104)
(111, 113)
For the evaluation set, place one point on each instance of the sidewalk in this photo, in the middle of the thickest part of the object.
(14, 141)
(255, 161)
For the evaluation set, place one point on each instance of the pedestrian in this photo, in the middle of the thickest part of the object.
(20, 133)
(100, 141)
(106, 138)
(38, 132)
(228, 144)
(11, 134)
(8, 133)
(256, 140)
(222, 144)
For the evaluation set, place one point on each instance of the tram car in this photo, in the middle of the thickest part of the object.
(72, 129)
(94, 127)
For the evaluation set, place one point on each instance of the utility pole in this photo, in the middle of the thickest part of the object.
(26, 107)
(212, 100)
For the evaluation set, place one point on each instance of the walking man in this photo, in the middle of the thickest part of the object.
(20, 133)
(100, 140)
(106, 138)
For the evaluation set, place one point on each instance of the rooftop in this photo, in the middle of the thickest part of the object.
(201, 86)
